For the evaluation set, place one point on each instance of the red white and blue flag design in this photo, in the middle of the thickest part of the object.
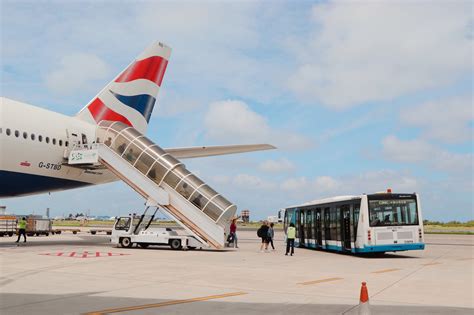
(131, 96)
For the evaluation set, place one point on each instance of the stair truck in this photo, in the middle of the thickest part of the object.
(135, 230)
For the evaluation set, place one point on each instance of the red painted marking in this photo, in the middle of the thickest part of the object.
(25, 163)
(152, 69)
(85, 254)
(100, 112)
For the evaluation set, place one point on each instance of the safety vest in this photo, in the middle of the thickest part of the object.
(291, 232)
(22, 224)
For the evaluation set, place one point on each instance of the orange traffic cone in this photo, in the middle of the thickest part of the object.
(364, 308)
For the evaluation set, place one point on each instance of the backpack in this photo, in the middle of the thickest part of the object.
(260, 232)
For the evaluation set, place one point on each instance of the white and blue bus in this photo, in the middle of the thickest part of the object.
(375, 223)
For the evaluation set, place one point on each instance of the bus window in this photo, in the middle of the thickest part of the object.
(309, 224)
(332, 224)
(393, 212)
(327, 224)
(356, 219)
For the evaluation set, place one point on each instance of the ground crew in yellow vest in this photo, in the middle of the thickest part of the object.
(21, 229)
(290, 239)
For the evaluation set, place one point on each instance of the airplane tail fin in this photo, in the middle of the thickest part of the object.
(131, 96)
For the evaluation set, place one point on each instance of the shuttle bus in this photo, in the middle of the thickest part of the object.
(374, 223)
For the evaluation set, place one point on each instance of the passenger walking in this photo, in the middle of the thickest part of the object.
(233, 233)
(263, 234)
(290, 239)
(21, 229)
(271, 235)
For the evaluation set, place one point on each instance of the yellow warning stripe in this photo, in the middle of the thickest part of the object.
(173, 302)
(320, 281)
(385, 270)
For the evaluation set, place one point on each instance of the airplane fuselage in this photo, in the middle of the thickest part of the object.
(32, 145)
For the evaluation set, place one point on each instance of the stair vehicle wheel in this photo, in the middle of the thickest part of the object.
(93, 232)
(126, 242)
(175, 244)
(143, 245)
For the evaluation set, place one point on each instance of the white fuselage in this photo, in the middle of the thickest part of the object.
(32, 147)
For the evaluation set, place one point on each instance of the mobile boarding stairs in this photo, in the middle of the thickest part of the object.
(161, 179)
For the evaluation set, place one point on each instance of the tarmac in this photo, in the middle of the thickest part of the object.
(85, 274)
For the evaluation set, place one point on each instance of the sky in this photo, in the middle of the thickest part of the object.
(358, 96)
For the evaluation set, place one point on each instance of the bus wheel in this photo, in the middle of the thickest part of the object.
(175, 244)
(125, 242)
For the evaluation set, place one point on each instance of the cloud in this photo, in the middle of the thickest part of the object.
(234, 121)
(75, 73)
(277, 166)
(444, 120)
(423, 153)
(252, 182)
(369, 182)
(376, 51)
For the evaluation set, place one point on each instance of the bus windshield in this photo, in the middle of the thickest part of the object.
(389, 212)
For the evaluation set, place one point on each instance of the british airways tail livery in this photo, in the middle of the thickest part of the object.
(35, 142)
(130, 97)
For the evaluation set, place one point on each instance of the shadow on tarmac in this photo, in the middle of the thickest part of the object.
(86, 302)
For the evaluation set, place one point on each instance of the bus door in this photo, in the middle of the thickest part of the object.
(327, 230)
(318, 227)
(302, 228)
(346, 227)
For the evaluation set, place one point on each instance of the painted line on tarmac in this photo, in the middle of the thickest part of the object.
(432, 263)
(385, 270)
(465, 259)
(448, 244)
(320, 281)
(173, 302)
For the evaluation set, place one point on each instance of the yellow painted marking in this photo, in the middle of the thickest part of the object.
(432, 263)
(385, 270)
(173, 302)
(320, 281)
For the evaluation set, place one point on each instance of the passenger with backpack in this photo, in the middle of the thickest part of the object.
(262, 232)
(271, 235)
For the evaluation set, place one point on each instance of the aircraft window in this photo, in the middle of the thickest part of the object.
(0, 130)
(46, 139)
(8, 131)
(32, 136)
(54, 140)
(40, 138)
(25, 135)
(17, 133)
(66, 143)
(60, 143)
